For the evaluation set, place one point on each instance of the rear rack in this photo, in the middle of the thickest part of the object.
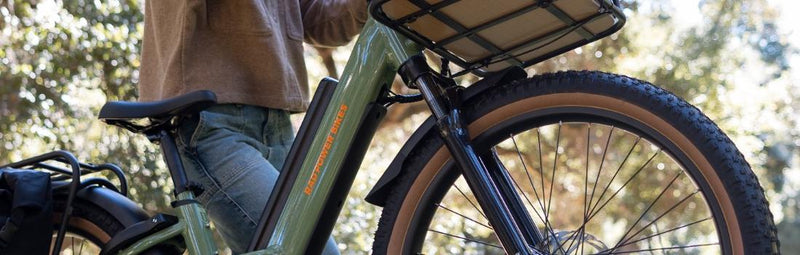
(70, 179)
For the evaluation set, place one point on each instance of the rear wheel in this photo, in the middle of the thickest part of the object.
(603, 164)
(89, 228)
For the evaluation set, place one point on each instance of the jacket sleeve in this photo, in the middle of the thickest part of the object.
(332, 22)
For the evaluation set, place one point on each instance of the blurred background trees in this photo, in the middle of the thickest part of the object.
(61, 60)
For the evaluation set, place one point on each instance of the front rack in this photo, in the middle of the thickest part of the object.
(70, 179)
(486, 36)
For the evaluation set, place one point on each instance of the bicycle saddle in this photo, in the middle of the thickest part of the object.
(188, 103)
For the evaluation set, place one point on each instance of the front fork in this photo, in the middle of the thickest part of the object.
(486, 176)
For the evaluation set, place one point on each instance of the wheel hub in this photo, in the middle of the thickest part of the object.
(571, 242)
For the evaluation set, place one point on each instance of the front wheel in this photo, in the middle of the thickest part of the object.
(603, 163)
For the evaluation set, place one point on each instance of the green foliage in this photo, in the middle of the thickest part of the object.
(61, 60)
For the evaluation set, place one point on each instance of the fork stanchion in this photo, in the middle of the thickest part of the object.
(442, 96)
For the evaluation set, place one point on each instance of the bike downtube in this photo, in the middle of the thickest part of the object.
(371, 67)
(292, 164)
(513, 228)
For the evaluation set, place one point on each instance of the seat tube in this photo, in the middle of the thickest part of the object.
(173, 159)
(197, 229)
(442, 98)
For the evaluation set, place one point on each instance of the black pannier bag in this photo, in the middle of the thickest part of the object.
(26, 211)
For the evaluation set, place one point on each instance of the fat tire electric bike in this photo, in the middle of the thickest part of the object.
(564, 163)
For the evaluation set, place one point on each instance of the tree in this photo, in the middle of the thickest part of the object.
(61, 60)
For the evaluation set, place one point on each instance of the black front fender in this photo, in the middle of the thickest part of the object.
(380, 191)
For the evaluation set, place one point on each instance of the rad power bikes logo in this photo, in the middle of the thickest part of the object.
(326, 148)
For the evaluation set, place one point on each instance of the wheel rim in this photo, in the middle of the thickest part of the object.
(639, 220)
(76, 244)
(82, 236)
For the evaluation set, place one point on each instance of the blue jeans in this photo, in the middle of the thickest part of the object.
(234, 151)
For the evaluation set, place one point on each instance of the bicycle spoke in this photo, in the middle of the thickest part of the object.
(470, 201)
(552, 182)
(526, 198)
(549, 201)
(525, 167)
(613, 177)
(586, 175)
(647, 210)
(662, 215)
(550, 230)
(463, 216)
(623, 185)
(635, 185)
(579, 231)
(466, 239)
(541, 178)
(81, 249)
(602, 160)
(661, 233)
(530, 180)
(585, 186)
(665, 248)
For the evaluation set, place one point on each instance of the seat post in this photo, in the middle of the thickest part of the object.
(173, 159)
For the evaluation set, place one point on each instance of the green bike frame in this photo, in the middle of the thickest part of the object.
(373, 63)
(192, 223)
(372, 66)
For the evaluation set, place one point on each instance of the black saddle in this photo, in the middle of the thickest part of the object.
(123, 113)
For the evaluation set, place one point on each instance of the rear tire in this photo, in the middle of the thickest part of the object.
(714, 202)
(88, 230)
(90, 227)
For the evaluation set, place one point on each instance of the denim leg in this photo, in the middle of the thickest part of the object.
(235, 152)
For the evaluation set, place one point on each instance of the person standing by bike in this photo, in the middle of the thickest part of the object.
(250, 54)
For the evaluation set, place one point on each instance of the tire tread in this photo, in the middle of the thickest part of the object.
(756, 220)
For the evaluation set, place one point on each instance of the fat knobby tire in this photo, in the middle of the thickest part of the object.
(747, 196)
(89, 212)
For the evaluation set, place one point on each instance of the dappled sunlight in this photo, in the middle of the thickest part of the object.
(737, 61)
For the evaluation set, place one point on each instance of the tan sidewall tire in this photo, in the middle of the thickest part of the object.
(487, 121)
(88, 221)
(84, 226)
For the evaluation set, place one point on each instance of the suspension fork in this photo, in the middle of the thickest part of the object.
(486, 177)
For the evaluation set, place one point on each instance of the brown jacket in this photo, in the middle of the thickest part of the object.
(246, 51)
